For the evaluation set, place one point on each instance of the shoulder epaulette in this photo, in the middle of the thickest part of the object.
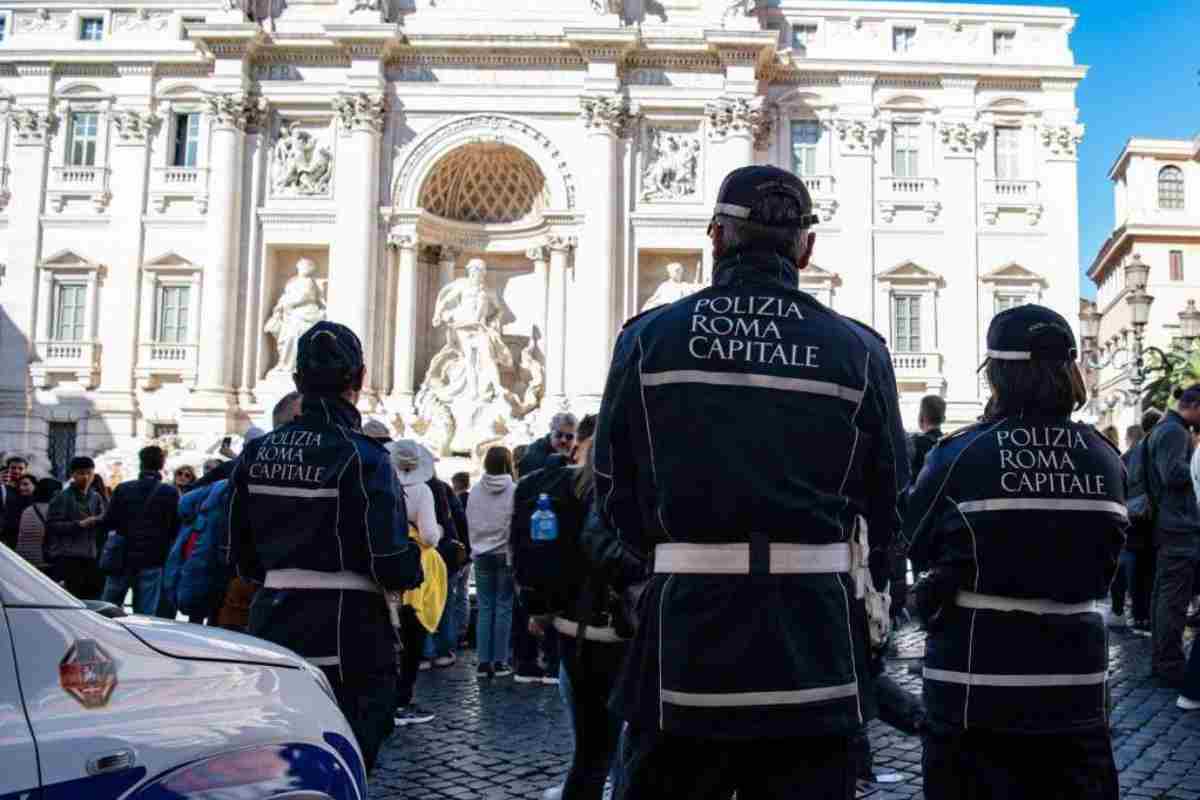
(866, 328)
(963, 431)
(1101, 437)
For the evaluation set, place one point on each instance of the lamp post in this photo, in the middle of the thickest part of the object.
(1133, 359)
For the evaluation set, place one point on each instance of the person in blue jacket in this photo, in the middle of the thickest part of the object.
(317, 512)
(1020, 520)
(748, 446)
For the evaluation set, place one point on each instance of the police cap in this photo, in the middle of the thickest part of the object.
(1030, 333)
(744, 191)
(328, 347)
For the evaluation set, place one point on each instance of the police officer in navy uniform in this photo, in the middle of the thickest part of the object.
(1020, 519)
(316, 507)
(748, 442)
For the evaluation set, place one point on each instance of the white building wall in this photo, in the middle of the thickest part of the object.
(950, 235)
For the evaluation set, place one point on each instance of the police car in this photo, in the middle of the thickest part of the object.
(93, 707)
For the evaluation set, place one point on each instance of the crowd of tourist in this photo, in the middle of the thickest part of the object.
(711, 568)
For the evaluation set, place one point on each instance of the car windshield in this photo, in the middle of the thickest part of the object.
(22, 584)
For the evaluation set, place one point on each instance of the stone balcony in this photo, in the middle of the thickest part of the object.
(78, 360)
(158, 360)
(79, 183)
(1020, 196)
(179, 184)
(821, 187)
(923, 369)
(919, 194)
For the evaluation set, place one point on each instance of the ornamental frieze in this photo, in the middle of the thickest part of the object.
(360, 112)
(606, 112)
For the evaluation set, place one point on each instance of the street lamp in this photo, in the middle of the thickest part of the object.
(1137, 275)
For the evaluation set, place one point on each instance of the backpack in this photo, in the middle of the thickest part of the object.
(194, 577)
(547, 573)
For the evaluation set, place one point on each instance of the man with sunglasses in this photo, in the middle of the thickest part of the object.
(559, 441)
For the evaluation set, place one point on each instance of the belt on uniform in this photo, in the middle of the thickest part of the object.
(991, 602)
(314, 579)
(757, 557)
(570, 628)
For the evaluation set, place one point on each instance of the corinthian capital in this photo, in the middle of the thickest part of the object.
(561, 243)
(236, 111)
(134, 126)
(1062, 140)
(33, 127)
(360, 112)
(729, 116)
(401, 241)
(962, 137)
(606, 113)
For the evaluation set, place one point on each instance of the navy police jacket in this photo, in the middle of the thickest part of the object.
(318, 495)
(749, 413)
(1023, 518)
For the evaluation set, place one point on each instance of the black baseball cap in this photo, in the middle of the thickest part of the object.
(1030, 333)
(329, 347)
(743, 191)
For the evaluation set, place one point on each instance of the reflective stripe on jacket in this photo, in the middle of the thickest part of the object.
(749, 412)
(1028, 509)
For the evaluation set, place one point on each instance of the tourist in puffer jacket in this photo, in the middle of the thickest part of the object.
(489, 514)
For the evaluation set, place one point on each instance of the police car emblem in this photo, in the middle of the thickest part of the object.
(88, 673)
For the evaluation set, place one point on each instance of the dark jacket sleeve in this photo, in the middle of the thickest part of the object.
(615, 461)
(395, 559)
(922, 512)
(889, 466)
(238, 552)
(617, 565)
(458, 516)
(1172, 459)
(60, 522)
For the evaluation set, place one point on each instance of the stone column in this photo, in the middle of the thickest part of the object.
(257, 145)
(133, 130)
(30, 133)
(210, 404)
(354, 252)
(405, 337)
(738, 127)
(538, 256)
(447, 261)
(556, 317)
(606, 118)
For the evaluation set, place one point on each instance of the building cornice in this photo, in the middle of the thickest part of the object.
(1123, 238)
(1181, 149)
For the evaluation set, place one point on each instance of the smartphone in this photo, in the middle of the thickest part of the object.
(228, 440)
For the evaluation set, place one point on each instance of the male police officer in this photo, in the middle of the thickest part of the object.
(1021, 519)
(316, 504)
(748, 437)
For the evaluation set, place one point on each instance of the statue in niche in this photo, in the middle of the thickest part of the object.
(301, 166)
(470, 362)
(672, 166)
(301, 306)
(673, 288)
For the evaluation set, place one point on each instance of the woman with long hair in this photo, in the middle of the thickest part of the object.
(31, 537)
(1020, 519)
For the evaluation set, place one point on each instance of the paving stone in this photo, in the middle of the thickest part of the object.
(498, 740)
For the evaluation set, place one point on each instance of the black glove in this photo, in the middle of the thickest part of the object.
(934, 591)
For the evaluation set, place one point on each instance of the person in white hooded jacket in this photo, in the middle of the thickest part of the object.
(489, 515)
(414, 467)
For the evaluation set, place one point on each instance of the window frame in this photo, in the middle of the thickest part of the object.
(1002, 301)
(84, 24)
(183, 309)
(812, 149)
(79, 288)
(1176, 265)
(902, 342)
(183, 121)
(909, 35)
(1004, 35)
(6, 26)
(70, 159)
(1014, 158)
(912, 170)
(1180, 195)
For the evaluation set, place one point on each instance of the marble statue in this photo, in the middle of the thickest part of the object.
(672, 166)
(475, 351)
(301, 306)
(673, 288)
(301, 166)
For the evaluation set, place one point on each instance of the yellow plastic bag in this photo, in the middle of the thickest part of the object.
(429, 599)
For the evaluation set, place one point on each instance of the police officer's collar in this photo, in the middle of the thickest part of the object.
(763, 264)
(331, 410)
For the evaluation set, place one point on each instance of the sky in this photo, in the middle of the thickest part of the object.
(1144, 58)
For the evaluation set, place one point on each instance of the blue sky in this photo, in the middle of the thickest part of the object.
(1144, 56)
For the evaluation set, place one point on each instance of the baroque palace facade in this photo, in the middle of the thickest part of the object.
(486, 189)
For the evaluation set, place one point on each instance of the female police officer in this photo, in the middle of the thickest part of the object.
(1020, 519)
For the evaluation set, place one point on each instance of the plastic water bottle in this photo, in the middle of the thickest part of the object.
(543, 525)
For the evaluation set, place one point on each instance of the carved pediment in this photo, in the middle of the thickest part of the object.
(909, 272)
(813, 275)
(68, 259)
(1013, 272)
(170, 260)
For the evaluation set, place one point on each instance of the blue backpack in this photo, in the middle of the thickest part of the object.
(194, 577)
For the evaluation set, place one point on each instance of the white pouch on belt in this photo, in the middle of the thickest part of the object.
(879, 603)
